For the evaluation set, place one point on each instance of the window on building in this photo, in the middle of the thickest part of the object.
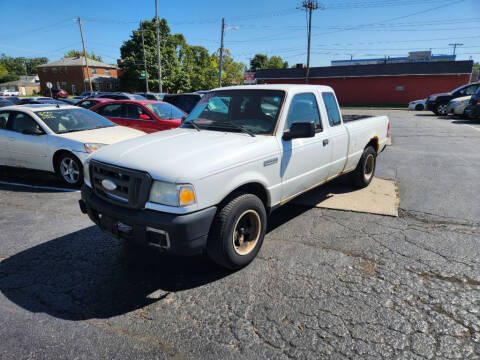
(107, 72)
(94, 70)
(44, 70)
(304, 108)
(58, 84)
(54, 70)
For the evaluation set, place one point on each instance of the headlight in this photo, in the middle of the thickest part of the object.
(86, 171)
(89, 148)
(172, 194)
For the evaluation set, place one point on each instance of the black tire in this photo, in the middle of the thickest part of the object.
(69, 169)
(226, 243)
(362, 176)
(419, 107)
(440, 109)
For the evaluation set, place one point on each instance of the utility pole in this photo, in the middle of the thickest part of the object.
(144, 59)
(455, 46)
(85, 53)
(220, 58)
(310, 6)
(159, 56)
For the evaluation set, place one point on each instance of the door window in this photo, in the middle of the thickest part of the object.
(304, 108)
(21, 122)
(471, 90)
(134, 111)
(112, 110)
(334, 117)
(4, 119)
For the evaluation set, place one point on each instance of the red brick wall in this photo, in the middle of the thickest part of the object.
(382, 89)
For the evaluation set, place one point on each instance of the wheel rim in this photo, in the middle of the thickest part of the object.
(69, 170)
(442, 109)
(369, 167)
(246, 232)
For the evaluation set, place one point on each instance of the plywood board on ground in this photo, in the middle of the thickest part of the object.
(380, 197)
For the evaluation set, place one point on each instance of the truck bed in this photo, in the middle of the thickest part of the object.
(349, 118)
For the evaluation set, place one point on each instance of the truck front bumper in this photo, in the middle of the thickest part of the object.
(177, 234)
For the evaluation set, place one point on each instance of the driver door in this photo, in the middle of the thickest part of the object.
(26, 150)
(305, 161)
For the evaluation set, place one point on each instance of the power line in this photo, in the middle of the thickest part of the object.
(455, 46)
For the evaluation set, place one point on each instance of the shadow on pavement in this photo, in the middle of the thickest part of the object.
(467, 122)
(31, 177)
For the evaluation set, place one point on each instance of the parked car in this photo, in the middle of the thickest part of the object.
(186, 101)
(88, 103)
(438, 102)
(70, 101)
(210, 184)
(45, 137)
(15, 100)
(473, 108)
(145, 115)
(202, 92)
(5, 102)
(42, 100)
(152, 96)
(88, 94)
(56, 93)
(9, 93)
(417, 105)
(120, 96)
(457, 106)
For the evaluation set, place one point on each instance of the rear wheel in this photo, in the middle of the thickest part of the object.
(419, 107)
(440, 109)
(362, 176)
(238, 231)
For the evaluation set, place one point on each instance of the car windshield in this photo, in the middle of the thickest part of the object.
(138, 97)
(255, 111)
(165, 111)
(69, 120)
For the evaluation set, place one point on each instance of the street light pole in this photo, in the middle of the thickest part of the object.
(220, 59)
(144, 59)
(159, 56)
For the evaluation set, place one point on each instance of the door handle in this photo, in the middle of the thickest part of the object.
(325, 142)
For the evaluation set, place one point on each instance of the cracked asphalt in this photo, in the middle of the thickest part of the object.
(326, 284)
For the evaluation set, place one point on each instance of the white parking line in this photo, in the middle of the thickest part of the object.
(38, 187)
(473, 127)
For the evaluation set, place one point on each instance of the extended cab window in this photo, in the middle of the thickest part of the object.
(304, 108)
(3, 119)
(334, 117)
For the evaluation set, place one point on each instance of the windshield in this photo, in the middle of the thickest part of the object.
(69, 120)
(253, 110)
(138, 97)
(165, 111)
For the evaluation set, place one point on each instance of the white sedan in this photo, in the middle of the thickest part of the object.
(55, 138)
(9, 93)
(457, 106)
(417, 105)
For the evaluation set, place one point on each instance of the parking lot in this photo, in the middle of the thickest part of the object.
(326, 283)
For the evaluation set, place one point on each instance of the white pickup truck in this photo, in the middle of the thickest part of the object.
(242, 152)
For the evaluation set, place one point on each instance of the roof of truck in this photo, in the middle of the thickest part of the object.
(302, 87)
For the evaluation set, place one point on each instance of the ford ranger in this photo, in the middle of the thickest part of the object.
(209, 185)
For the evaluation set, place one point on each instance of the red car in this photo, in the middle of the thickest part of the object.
(146, 115)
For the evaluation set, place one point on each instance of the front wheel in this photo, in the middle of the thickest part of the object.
(237, 232)
(440, 109)
(69, 169)
(362, 176)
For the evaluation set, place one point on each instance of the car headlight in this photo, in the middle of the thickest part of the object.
(91, 147)
(172, 194)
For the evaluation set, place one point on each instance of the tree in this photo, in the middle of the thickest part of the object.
(33, 63)
(78, 53)
(262, 61)
(3, 72)
(184, 67)
(476, 66)
(233, 71)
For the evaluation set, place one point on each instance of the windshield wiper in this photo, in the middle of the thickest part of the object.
(192, 122)
(241, 128)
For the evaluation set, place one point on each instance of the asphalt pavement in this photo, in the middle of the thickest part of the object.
(326, 284)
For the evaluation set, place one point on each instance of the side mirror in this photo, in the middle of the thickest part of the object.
(300, 130)
(144, 117)
(35, 131)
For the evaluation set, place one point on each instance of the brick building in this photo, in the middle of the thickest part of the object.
(70, 74)
(397, 83)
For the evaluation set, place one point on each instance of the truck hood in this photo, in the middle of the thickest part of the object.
(184, 155)
(108, 135)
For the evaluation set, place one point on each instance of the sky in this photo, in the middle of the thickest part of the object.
(341, 29)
